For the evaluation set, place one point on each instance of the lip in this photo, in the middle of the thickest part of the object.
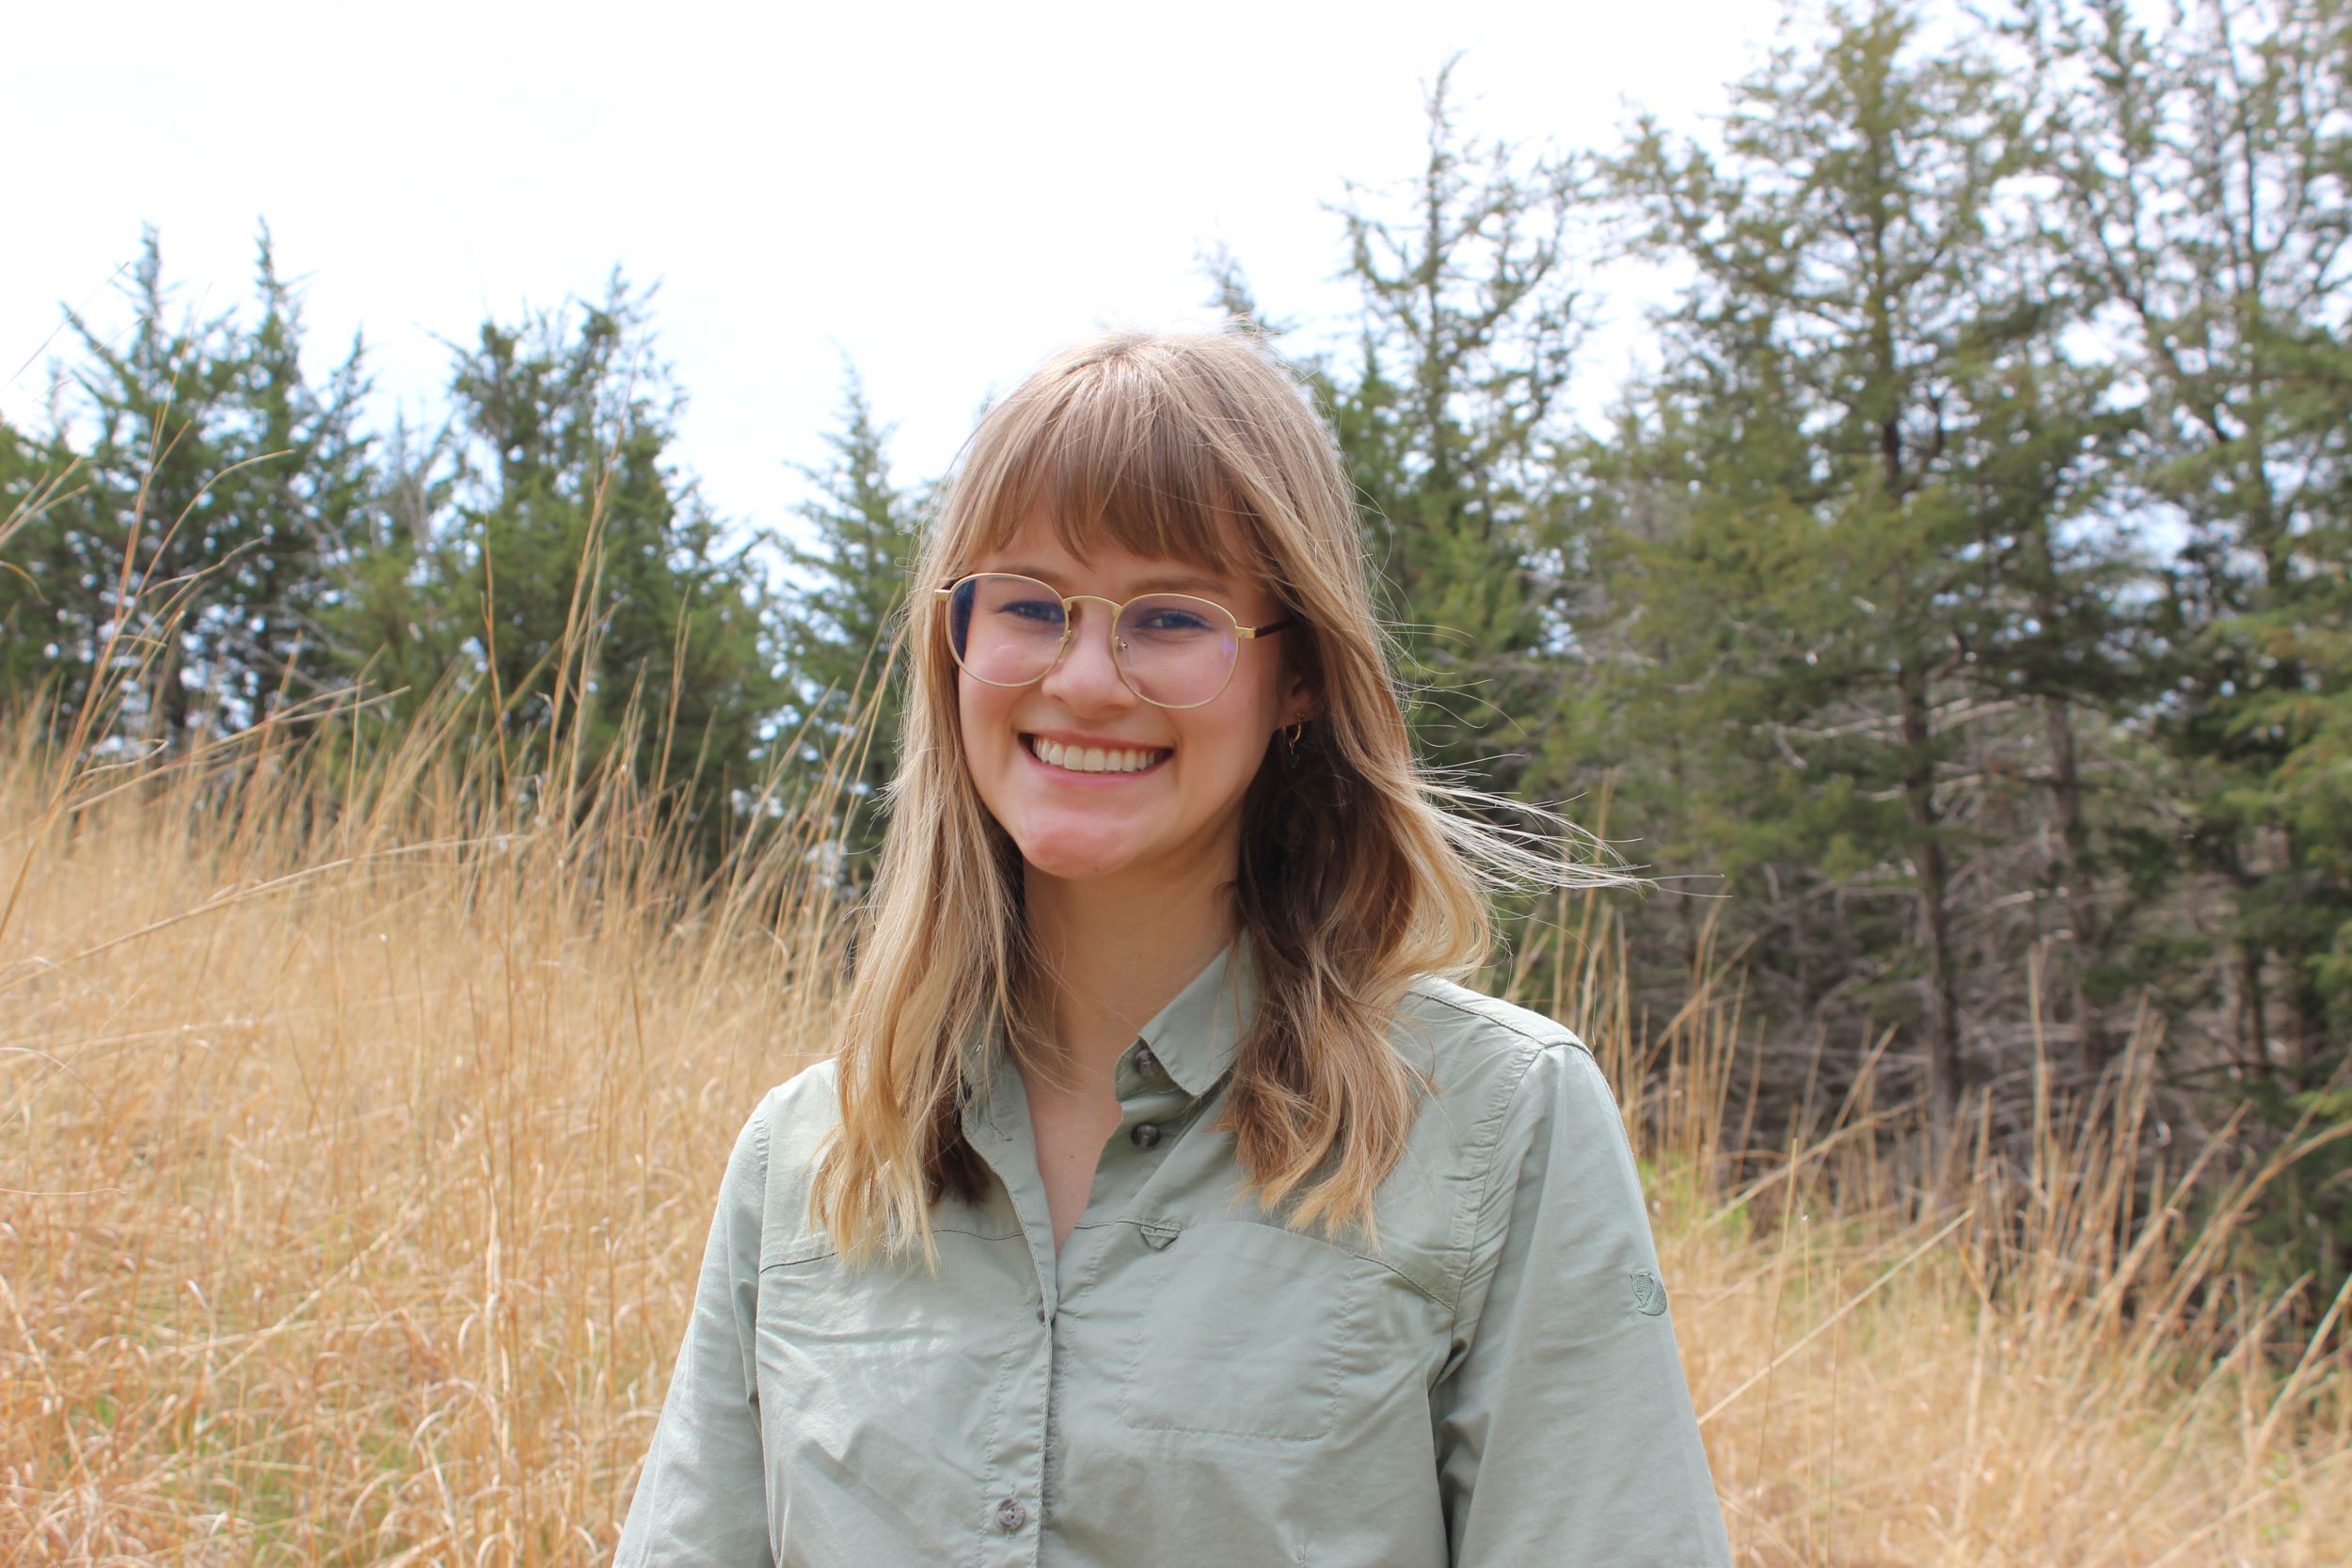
(1066, 779)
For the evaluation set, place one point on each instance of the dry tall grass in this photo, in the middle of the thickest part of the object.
(356, 1163)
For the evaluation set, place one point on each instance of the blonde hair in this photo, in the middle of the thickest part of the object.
(1353, 880)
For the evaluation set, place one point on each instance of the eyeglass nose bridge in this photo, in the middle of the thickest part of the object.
(1070, 634)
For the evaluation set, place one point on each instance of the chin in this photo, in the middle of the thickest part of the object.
(1074, 858)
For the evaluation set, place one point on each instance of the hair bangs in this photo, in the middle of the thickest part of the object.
(1112, 459)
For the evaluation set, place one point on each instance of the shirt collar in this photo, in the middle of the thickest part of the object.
(1194, 1036)
(1197, 1034)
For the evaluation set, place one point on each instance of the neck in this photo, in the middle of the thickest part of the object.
(1115, 955)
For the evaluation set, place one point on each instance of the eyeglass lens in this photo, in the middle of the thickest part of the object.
(1174, 649)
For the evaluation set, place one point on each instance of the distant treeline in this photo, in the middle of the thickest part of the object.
(1956, 620)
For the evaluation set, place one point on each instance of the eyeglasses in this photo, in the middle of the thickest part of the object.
(1173, 650)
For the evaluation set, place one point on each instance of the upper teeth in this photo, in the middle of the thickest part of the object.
(1093, 759)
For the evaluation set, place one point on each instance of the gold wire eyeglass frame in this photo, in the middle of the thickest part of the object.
(1118, 608)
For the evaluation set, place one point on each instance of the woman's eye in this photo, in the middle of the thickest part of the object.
(1032, 609)
(1173, 620)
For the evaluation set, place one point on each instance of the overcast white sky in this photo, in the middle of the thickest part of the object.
(946, 193)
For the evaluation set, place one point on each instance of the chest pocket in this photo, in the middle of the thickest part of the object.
(1249, 1331)
(885, 1375)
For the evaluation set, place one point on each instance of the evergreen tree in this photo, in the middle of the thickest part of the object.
(1824, 402)
(184, 561)
(2205, 168)
(300, 474)
(392, 623)
(1448, 422)
(840, 632)
(596, 575)
(2052, 626)
(142, 525)
(39, 618)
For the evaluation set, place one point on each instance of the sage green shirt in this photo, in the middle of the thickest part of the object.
(1188, 1382)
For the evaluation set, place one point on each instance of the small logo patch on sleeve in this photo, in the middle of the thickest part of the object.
(1650, 1292)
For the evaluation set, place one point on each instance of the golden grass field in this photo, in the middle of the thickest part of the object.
(357, 1165)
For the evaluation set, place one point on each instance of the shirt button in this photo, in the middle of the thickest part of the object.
(1144, 1134)
(1010, 1515)
(1146, 1063)
(1041, 1311)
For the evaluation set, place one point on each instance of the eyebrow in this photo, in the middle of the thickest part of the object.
(1174, 583)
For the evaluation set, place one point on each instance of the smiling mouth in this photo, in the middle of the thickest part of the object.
(1095, 759)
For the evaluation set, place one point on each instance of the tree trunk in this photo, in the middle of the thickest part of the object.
(1943, 1013)
(2308, 1035)
(2253, 1027)
(1685, 912)
(2092, 1044)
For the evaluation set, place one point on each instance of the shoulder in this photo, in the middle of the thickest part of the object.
(1523, 1114)
(798, 1108)
(1532, 1080)
(1478, 1047)
(1500, 1076)
(1507, 1084)
(810, 1097)
(785, 1130)
(1448, 1003)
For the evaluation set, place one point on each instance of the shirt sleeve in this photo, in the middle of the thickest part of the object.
(702, 1496)
(1564, 1432)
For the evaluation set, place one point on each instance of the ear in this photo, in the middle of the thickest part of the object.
(1300, 701)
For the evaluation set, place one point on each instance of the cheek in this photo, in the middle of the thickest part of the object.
(980, 712)
(985, 745)
(1228, 740)
(1255, 704)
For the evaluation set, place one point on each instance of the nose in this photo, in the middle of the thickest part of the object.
(1085, 677)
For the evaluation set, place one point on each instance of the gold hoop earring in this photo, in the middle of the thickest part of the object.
(1290, 739)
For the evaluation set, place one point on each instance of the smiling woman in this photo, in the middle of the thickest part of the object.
(1168, 1198)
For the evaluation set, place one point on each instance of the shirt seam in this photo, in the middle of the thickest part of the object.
(1566, 1035)
(798, 1259)
(759, 1142)
(1488, 1138)
(1341, 1247)
(819, 1252)
(1616, 1110)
